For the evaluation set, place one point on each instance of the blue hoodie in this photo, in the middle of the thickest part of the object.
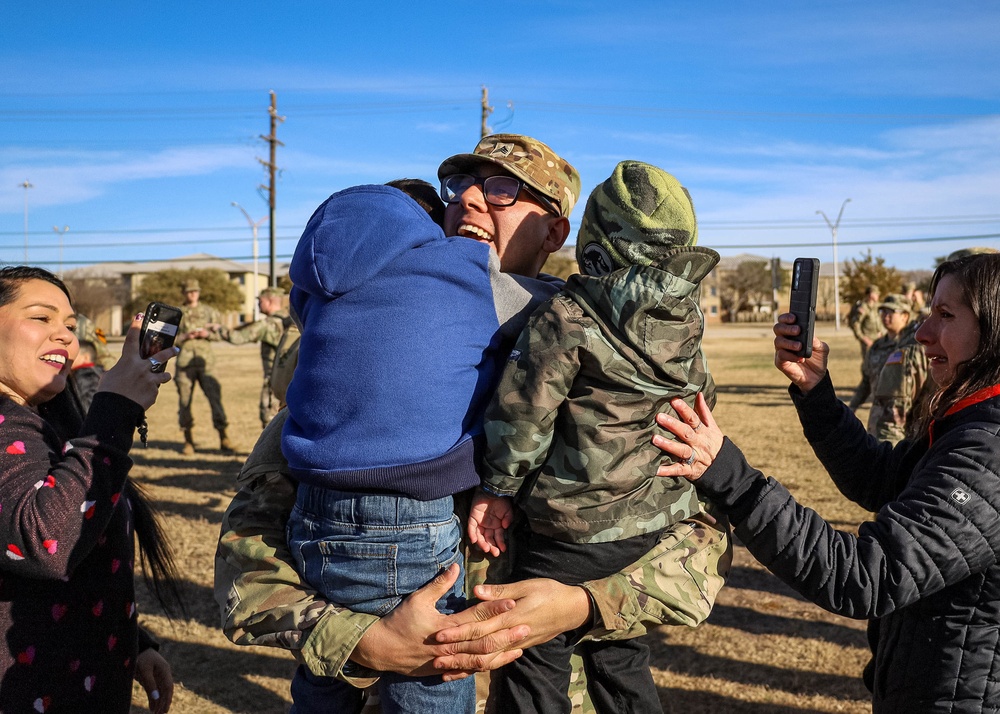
(401, 341)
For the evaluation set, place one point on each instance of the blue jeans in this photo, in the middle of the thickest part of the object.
(367, 552)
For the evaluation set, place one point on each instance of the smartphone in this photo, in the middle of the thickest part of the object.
(805, 281)
(159, 329)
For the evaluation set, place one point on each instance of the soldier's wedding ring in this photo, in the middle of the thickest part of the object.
(689, 461)
(154, 364)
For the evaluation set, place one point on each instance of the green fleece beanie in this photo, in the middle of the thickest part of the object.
(632, 218)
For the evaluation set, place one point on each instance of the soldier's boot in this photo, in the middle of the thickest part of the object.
(188, 449)
(224, 443)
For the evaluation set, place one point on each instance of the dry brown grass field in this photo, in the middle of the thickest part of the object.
(764, 650)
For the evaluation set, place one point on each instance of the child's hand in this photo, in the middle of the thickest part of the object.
(489, 517)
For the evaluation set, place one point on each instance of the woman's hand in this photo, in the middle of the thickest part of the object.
(153, 673)
(698, 439)
(404, 640)
(133, 376)
(542, 609)
(802, 372)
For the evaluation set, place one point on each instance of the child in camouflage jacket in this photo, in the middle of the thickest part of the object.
(570, 429)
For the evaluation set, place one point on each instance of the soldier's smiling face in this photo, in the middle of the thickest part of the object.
(520, 234)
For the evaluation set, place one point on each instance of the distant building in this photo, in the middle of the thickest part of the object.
(112, 319)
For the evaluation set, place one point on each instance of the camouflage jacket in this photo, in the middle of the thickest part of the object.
(895, 391)
(569, 431)
(267, 331)
(875, 357)
(864, 320)
(263, 601)
(197, 352)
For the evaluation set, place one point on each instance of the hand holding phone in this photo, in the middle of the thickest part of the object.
(802, 302)
(159, 330)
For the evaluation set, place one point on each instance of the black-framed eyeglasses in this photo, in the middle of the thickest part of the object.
(498, 190)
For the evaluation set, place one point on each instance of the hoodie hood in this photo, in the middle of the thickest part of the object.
(650, 313)
(352, 236)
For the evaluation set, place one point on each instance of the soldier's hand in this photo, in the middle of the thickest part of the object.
(531, 621)
(404, 640)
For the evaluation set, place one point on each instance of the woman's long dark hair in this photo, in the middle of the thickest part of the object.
(978, 277)
(156, 556)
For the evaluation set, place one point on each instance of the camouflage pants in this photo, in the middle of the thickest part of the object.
(186, 378)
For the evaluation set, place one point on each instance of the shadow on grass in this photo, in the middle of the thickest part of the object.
(685, 660)
(201, 668)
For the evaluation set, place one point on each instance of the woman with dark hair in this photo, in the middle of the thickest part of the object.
(69, 515)
(926, 569)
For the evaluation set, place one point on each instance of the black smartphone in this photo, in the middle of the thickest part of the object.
(159, 329)
(805, 281)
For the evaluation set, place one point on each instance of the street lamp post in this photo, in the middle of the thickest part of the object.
(26, 185)
(253, 226)
(836, 269)
(61, 234)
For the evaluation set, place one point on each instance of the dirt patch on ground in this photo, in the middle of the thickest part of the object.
(764, 650)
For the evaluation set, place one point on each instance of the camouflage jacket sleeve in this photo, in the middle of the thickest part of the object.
(676, 583)
(268, 330)
(262, 599)
(521, 417)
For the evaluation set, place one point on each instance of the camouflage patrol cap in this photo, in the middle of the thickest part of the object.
(274, 291)
(966, 252)
(190, 286)
(639, 212)
(896, 303)
(529, 160)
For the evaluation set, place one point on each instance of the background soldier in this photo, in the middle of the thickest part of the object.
(864, 319)
(268, 332)
(901, 379)
(894, 315)
(194, 364)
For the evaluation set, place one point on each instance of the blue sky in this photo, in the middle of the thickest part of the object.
(137, 125)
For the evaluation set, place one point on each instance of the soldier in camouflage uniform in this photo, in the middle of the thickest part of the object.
(864, 319)
(268, 331)
(894, 371)
(894, 314)
(570, 428)
(194, 365)
(263, 600)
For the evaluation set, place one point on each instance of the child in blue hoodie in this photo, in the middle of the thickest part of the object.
(403, 336)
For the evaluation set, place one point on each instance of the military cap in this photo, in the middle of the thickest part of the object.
(529, 160)
(274, 291)
(191, 285)
(896, 303)
(966, 252)
(633, 218)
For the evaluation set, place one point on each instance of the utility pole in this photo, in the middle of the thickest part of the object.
(484, 128)
(61, 234)
(836, 268)
(272, 167)
(25, 186)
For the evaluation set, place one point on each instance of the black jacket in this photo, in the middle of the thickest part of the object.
(926, 567)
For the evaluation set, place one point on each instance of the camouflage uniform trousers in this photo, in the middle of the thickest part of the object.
(263, 601)
(197, 370)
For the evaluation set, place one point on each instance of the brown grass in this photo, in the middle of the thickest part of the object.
(764, 650)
